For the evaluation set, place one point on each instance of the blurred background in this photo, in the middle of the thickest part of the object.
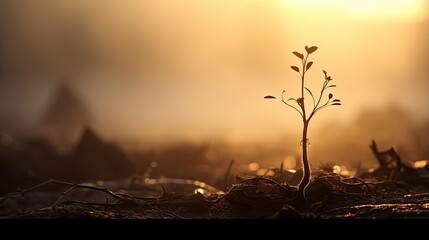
(184, 81)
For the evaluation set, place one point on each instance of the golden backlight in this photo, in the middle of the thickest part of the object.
(162, 72)
(397, 9)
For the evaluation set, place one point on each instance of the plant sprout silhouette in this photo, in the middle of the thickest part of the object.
(307, 115)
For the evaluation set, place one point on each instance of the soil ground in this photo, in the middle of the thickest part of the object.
(329, 196)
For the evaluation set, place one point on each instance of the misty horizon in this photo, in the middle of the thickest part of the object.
(150, 73)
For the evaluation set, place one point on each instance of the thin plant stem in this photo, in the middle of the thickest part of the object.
(300, 197)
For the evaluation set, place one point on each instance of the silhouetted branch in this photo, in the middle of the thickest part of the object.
(377, 154)
(73, 186)
(225, 178)
(290, 105)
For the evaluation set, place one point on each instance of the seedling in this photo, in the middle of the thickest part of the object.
(298, 104)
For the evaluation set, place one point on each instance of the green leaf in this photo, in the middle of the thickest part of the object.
(269, 97)
(310, 49)
(295, 68)
(309, 64)
(298, 55)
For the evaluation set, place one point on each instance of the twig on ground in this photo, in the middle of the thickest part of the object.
(360, 181)
(366, 184)
(225, 178)
(73, 186)
(286, 187)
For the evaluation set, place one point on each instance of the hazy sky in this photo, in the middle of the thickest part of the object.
(171, 70)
